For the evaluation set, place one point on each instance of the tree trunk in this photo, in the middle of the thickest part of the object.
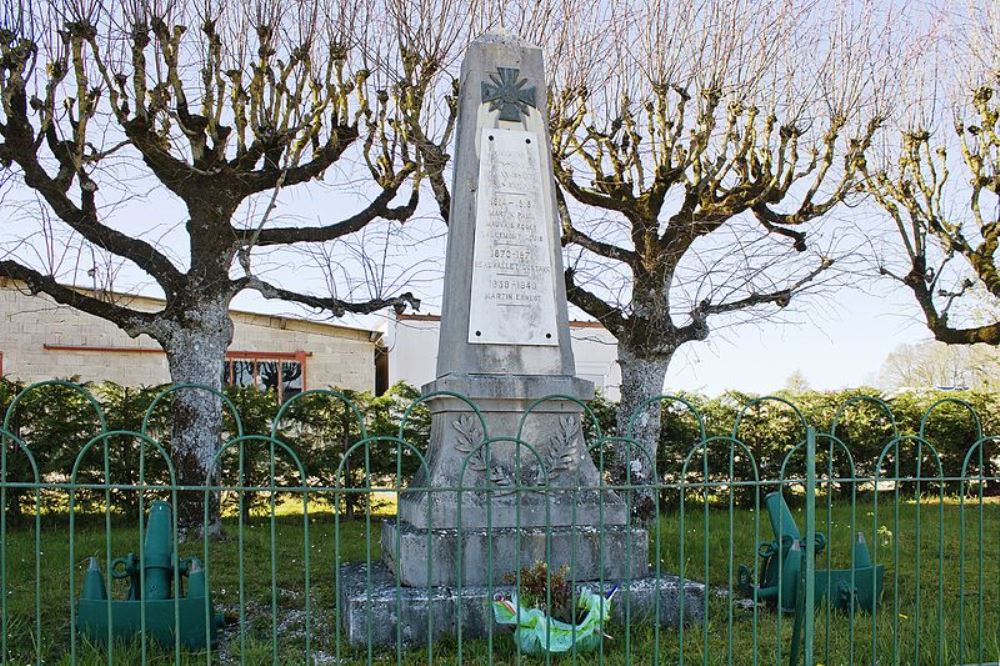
(196, 351)
(642, 380)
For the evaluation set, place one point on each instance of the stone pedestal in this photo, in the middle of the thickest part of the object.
(509, 473)
(487, 555)
(508, 441)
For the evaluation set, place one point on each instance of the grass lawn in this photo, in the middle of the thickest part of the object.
(914, 623)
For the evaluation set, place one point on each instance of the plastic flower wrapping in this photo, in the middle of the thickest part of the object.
(537, 633)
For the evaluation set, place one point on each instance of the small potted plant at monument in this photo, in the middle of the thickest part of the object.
(548, 616)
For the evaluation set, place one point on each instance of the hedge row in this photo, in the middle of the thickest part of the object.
(57, 422)
(770, 429)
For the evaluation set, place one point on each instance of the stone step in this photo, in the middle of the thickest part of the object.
(613, 553)
(412, 614)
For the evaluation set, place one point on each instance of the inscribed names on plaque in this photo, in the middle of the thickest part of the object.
(513, 293)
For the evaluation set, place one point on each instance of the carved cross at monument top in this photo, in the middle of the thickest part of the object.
(508, 94)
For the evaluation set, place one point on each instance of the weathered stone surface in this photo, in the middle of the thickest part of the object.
(513, 292)
(458, 355)
(613, 553)
(414, 614)
(546, 436)
(504, 453)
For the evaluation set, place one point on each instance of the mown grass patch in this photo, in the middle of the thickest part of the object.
(927, 597)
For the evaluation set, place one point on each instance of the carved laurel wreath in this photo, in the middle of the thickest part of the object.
(559, 456)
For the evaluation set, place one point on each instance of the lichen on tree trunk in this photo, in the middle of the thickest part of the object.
(639, 419)
(196, 352)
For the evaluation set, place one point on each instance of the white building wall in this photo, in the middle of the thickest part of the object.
(412, 341)
(596, 354)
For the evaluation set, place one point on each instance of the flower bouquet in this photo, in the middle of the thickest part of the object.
(548, 616)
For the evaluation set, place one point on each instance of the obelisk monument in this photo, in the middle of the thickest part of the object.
(509, 480)
(504, 345)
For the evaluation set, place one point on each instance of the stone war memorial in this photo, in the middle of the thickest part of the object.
(267, 486)
(509, 480)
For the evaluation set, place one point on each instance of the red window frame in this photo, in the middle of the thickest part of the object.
(256, 356)
(297, 356)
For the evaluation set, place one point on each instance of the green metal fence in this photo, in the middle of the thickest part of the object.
(280, 574)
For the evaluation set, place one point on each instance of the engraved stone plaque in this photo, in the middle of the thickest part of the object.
(513, 293)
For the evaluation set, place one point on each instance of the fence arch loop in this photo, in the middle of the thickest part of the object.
(470, 458)
(870, 399)
(22, 446)
(196, 387)
(129, 435)
(73, 386)
(400, 443)
(141, 437)
(442, 394)
(670, 399)
(709, 443)
(978, 447)
(336, 395)
(553, 398)
(835, 443)
(920, 443)
(768, 398)
(609, 439)
(955, 401)
(213, 466)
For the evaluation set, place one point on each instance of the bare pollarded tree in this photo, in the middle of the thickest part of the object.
(223, 104)
(696, 142)
(940, 186)
(696, 156)
(949, 229)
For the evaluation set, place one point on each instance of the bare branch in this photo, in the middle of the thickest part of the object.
(612, 318)
(131, 321)
(780, 298)
(337, 307)
(378, 208)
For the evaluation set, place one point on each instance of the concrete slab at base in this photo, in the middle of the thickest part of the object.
(613, 553)
(390, 612)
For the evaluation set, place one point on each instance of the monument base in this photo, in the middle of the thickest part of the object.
(384, 613)
(613, 553)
